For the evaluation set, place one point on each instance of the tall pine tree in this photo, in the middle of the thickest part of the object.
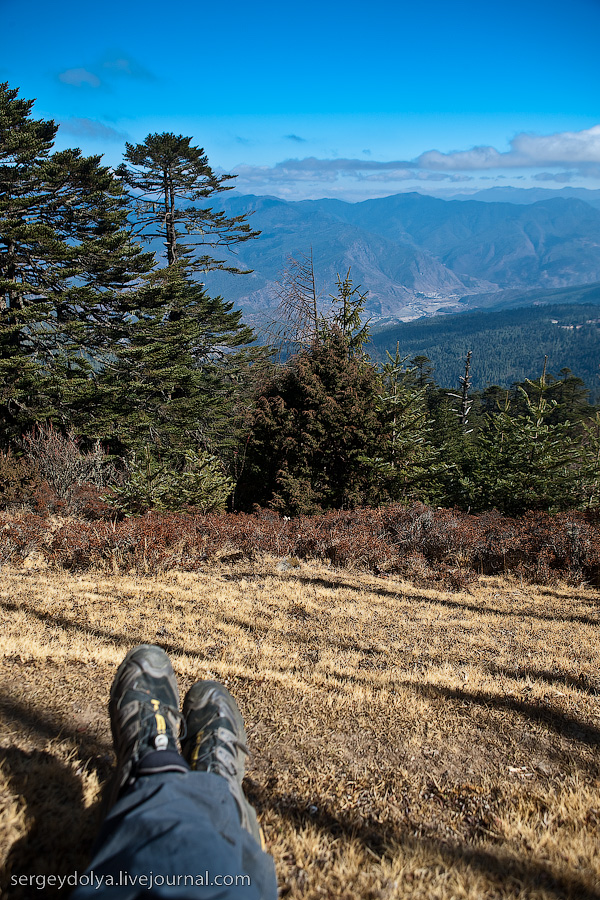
(65, 252)
(170, 181)
(185, 355)
(174, 375)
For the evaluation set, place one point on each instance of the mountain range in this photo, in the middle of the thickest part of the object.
(530, 195)
(416, 255)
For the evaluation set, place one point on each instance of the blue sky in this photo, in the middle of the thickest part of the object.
(345, 100)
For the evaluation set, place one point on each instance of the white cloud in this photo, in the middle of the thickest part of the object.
(561, 157)
(79, 77)
(476, 158)
(567, 148)
(328, 171)
(90, 128)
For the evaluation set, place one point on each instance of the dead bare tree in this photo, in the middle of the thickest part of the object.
(297, 321)
(465, 403)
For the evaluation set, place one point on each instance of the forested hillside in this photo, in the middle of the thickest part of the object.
(507, 346)
(128, 386)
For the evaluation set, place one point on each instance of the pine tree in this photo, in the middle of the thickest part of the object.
(174, 375)
(348, 306)
(315, 433)
(188, 354)
(165, 173)
(410, 465)
(454, 427)
(590, 462)
(522, 460)
(65, 250)
(465, 401)
(423, 370)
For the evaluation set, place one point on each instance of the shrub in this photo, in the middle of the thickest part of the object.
(57, 459)
(435, 546)
(18, 481)
(20, 536)
(152, 483)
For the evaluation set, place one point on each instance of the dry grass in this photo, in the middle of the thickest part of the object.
(405, 742)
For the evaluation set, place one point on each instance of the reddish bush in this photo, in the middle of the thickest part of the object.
(432, 545)
(20, 536)
(18, 482)
(87, 502)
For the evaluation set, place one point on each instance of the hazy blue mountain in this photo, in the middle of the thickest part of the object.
(547, 244)
(416, 254)
(531, 195)
(395, 271)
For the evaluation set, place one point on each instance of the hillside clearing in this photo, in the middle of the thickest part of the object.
(405, 742)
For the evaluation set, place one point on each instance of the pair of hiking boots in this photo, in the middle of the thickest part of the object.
(146, 725)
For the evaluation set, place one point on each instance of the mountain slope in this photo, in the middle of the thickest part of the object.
(531, 195)
(415, 254)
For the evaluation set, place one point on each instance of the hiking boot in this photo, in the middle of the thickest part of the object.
(145, 717)
(216, 742)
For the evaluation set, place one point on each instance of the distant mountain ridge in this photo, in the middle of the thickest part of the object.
(415, 254)
(531, 195)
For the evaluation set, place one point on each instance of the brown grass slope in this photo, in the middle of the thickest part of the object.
(405, 742)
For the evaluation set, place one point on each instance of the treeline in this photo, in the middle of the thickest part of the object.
(126, 387)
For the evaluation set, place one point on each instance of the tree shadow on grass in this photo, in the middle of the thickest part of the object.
(479, 608)
(558, 594)
(93, 752)
(559, 722)
(59, 828)
(500, 867)
(563, 679)
(105, 634)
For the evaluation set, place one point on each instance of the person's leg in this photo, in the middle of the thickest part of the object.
(173, 832)
(216, 742)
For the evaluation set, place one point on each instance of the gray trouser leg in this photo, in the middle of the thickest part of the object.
(177, 835)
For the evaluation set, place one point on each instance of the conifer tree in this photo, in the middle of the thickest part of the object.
(410, 465)
(316, 433)
(171, 180)
(174, 375)
(523, 461)
(456, 436)
(188, 354)
(590, 462)
(65, 250)
(423, 370)
(348, 307)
